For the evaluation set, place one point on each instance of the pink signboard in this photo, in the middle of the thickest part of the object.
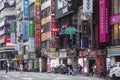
(115, 19)
(103, 22)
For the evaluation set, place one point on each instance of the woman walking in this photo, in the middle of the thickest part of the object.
(21, 68)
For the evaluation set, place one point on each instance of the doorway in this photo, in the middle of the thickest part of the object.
(91, 63)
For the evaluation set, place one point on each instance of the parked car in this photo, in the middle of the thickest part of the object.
(115, 71)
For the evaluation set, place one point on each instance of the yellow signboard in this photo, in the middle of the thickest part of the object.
(38, 2)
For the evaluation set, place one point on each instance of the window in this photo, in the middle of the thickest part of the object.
(45, 13)
(115, 30)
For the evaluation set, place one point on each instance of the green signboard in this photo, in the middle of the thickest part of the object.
(31, 28)
(12, 27)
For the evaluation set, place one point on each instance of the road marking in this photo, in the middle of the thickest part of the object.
(5, 76)
(27, 78)
(16, 75)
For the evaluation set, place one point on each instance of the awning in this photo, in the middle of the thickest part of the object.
(70, 30)
(3, 59)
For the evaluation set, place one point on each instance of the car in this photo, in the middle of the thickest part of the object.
(115, 71)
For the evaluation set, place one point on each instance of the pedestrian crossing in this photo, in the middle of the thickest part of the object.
(42, 76)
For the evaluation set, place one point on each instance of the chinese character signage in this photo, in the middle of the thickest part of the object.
(31, 28)
(87, 6)
(37, 23)
(103, 22)
(25, 31)
(12, 29)
(25, 8)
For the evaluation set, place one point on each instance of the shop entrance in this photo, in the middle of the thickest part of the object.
(91, 63)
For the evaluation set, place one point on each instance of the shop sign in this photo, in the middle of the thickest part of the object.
(26, 9)
(37, 23)
(45, 20)
(37, 2)
(25, 31)
(31, 28)
(103, 22)
(65, 7)
(113, 51)
(115, 19)
(87, 6)
(31, 44)
(12, 27)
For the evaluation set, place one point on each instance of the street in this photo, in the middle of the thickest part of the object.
(42, 76)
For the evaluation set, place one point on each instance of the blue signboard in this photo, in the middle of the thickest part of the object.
(25, 31)
(26, 9)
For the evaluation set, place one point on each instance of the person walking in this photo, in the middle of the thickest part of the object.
(6, 67)
(80, 69)
(21, 68)
(70, 69)
(94, 70)
(101, 70)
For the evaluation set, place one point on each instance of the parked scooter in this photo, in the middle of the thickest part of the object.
(61, 69)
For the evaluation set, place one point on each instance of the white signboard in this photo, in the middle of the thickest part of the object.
(87, 6)
(12, 38)
(31, 44)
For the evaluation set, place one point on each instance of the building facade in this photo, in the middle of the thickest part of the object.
(7, 16)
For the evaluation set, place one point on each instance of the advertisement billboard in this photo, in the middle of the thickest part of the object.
(65, 7)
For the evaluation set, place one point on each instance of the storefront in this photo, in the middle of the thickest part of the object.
(88, 59)
(114, 53)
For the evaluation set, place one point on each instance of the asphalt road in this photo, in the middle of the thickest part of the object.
(42, 76)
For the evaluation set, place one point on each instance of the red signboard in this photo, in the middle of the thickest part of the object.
(37, 26)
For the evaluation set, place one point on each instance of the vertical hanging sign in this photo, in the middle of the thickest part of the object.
(26, 9)
(31, 28)
(87, 6)
(103, 22)
(25, 31)
(37, 23)
(12, 30)
(25, 17)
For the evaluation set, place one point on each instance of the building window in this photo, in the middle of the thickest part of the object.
(115, 30)
(45, 13)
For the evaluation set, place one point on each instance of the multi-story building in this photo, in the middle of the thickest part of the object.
(48, 34)
(7, 15)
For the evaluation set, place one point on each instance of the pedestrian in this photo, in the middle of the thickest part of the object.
(26, 67)
(6, 67)
(70, 69)
(101, 70)
(94, 70)
(80, 69)
(21, 68)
